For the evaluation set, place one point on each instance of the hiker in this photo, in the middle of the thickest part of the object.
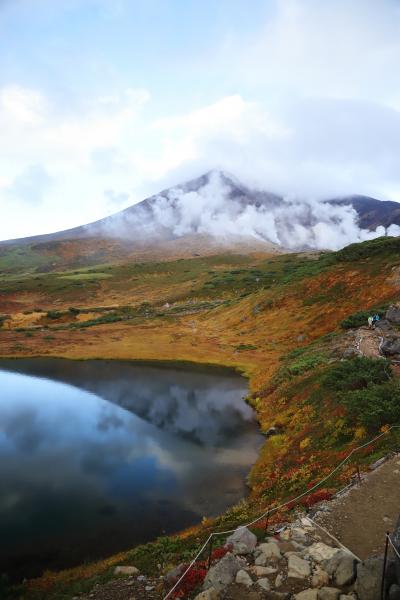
(376, 318)
(370, 322)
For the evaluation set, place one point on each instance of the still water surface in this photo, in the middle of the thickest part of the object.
(97, 456)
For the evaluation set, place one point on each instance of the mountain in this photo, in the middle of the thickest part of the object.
(212, 213)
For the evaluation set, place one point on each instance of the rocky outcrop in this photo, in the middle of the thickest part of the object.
(242, 541)
(297, 564)
(393, 314)
(223, 572)
(391, 346)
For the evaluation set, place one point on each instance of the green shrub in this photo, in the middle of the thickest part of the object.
(357, 374)
(53, 314)
(379, 246)
(305, 363)
(361, 318)
(374, 406)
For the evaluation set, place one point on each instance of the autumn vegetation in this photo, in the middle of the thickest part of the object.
(284, 321)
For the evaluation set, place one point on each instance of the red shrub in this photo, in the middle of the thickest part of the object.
(192, 579)
(315, 497)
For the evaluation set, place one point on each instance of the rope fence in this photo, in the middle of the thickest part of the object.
(280, 506)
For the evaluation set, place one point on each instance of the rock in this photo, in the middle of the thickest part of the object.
(279, 580)
(298, 568)
(223, 572)
(307, 595)
(263, 571)
(288, 547)
(172, 576)
(393, 313)
(320, 552)
(377, 463)
(391, 346)
(149, 588)
(243, 541)
(319, 578)
(285, 535)
(210, 594)
(328, 593)
(394, 592)
(261, 560)
(300, 535)
(369, 575)
(346, 597)
(264, 584)
(271, 431)
(349, 352)
(270, 550)
(341, 567)
(244, 578)
(383, 325)
(126, 570)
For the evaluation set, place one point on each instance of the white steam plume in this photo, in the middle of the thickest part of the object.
(293, 223)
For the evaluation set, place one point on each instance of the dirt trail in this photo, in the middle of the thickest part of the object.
(369, 342)
(361, 517)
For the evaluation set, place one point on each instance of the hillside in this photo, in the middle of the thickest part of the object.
(212, 214)
(290, 322)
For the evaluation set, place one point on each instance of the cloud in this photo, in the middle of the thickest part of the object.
(218, 210)
(307, 103)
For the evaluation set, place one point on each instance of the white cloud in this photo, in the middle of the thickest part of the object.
(307, 105)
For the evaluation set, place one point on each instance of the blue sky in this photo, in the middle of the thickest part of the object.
(103, 102)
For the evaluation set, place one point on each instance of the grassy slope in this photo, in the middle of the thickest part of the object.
(277, 319)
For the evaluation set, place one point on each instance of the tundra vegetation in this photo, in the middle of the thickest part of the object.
(285, 321)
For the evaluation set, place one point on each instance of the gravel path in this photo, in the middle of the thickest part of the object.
(361, 517)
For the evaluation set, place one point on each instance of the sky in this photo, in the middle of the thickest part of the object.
(105, 102)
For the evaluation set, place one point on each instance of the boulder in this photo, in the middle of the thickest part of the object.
(288, 547)
(328, 593)
(243, 578)
(210, 594)
(172, 576)
(393, 313)
(319, 578)
(269, 550)
(307, 595)
(126, 570)
(369, 576)
(260, 571)
(320, 552)
(341, 567)
(391, 346)
(261, 560)
(264, 584)
(300, 535)
(223, 572)
(243, 541)
(383, 325)
(394, 592)
(278, 580)
(298, 568)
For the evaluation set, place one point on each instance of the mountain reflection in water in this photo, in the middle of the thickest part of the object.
(97, 456)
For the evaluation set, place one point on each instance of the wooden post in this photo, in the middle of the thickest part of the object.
(358, 474)
(210, 553)
(384, 566)
(267, 523)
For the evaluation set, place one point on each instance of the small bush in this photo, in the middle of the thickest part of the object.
(357, 374)
(53, 314)
(361, 318)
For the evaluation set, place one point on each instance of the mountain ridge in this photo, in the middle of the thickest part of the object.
(216, 212)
